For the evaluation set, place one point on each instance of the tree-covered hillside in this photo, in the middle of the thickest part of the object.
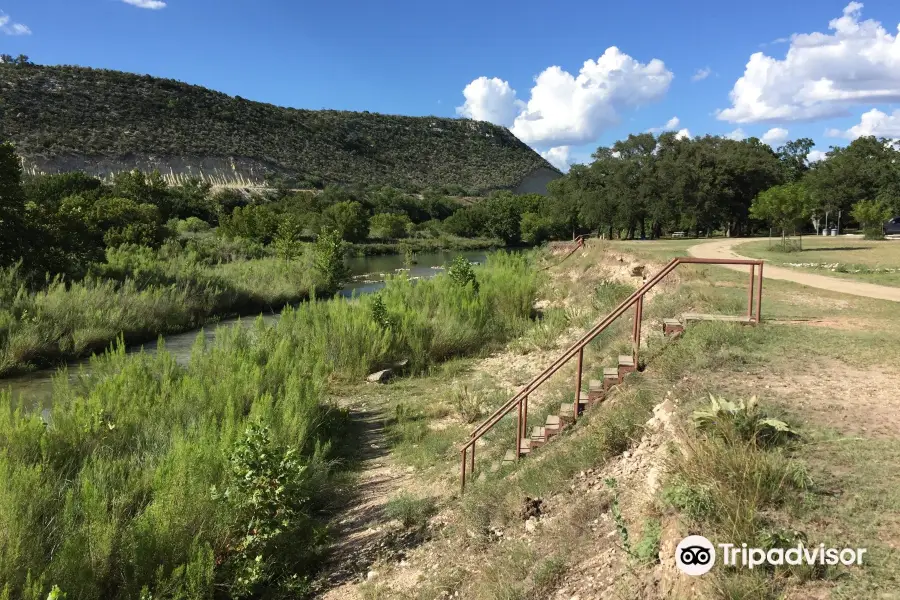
(54, 114)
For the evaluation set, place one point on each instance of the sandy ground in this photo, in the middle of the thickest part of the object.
(725, 249)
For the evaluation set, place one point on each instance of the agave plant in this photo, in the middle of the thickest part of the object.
(743, 419)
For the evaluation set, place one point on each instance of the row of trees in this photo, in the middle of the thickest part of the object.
(648, 185)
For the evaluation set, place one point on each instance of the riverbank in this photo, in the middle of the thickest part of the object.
(161, 469)
(417, 245)
(141, 294)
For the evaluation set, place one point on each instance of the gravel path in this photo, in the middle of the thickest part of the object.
(725, 249)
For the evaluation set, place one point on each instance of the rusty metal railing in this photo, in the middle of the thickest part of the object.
(577, 244)
(520, 400)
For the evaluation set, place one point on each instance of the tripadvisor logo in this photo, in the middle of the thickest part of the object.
(696, 555)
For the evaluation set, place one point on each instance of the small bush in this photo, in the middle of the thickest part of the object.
(548, 574)
(468, 405)
(462, 273)
(743, 421)
(412, 512)
(646, 551)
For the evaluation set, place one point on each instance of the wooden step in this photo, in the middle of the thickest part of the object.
(610, 377)
(595, 390)
(626, 365)
(496, 466)
(509, 457)
(688, 317)
(538, 436)
(566, 412)
(553, 426)
(672, 327)
(524, 445)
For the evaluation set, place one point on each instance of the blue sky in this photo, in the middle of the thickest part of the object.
(417, 58)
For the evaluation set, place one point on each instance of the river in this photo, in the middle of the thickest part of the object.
(367, 275)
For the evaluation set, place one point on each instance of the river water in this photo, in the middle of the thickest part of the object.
(367, 274)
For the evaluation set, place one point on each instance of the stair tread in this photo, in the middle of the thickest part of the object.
(595, 384)
(525, 445)
(552, 420)
(510, 456)
(611, 372)
(626, 360)
(583, 398)
(496, 466)
(566, 409)
(538, 432)
(671, 321)
(708, 317)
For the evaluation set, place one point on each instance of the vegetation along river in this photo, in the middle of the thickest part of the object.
(367, 276)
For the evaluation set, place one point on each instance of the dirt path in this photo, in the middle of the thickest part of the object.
(725, 249)
(360, 534)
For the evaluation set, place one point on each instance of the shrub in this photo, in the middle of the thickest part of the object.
(389, 225)
(461, 273)
(743, 421)
(412, 512)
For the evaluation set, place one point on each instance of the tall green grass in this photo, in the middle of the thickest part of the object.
(155, 480)
(138, 293)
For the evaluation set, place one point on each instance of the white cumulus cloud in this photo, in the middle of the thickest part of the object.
(874, 123)
(150, 4)
(558, 157)
(491, 100)
(737, 135)
(565, 109)
(815, 156)
(671, 125)
(683, 134)
(9, 28)
(775, 136)
(821, 74)
(701, 74)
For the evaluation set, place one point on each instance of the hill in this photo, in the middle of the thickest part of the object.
(66, 118)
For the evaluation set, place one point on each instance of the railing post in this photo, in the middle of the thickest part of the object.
(519, 433)
(524, 418)
(462, 488)
(472, 461)
(759, 295)
(578, 384)
(750, 293)
(636, 329)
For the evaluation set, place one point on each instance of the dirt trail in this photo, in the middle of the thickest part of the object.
(360, 534)
(725, 249)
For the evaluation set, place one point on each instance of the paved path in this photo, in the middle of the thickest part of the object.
(724, 249)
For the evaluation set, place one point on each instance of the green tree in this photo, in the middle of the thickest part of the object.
(389, 226)
(13, 238)
(328, 260)
(288, 245)
(793, 156)
(871, 215)
(349, 219)
(124, 221)
(534, 228)
(784, 206)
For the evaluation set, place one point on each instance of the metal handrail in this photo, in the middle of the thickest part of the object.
(579, 243)
(577, 348)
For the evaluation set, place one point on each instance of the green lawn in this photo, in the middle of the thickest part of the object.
(848, 258)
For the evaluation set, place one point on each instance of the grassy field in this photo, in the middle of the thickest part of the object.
(847, 258)
(825, 363)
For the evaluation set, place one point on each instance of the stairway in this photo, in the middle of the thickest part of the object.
(526, 441)
(597, 392)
